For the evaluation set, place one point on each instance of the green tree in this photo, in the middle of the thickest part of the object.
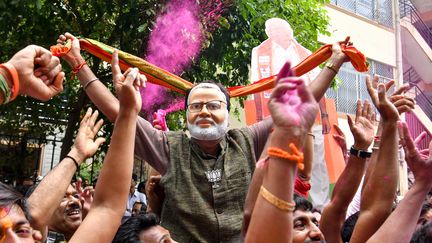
(227, 55)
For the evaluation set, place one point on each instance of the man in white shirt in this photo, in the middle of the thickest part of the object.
(134, 196)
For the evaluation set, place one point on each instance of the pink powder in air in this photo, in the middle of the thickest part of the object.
(175, 106)
(174, 43)
(211, 11)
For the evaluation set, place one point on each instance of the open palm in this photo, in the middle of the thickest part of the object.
(363, 127)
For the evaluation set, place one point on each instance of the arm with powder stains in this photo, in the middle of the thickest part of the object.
(293, 116)
(99, 94)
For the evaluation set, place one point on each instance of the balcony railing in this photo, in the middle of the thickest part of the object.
(424, 101)
(352, 85)
(379, 11)
(407, 10)
(411, 76)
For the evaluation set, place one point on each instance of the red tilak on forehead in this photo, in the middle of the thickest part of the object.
(4, 212)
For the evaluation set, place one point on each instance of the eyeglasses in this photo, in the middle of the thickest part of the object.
(212, 105)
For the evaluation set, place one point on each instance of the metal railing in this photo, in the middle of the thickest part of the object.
(416, 127)
(411, 76)
(352, 85)
(422, 100)
(379, 11)
(407, 10)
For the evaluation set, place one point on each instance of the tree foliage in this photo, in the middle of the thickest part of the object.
(126, 24)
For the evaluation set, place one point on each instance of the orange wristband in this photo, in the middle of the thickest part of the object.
(15, 79)
(76, 69)
(295, 156)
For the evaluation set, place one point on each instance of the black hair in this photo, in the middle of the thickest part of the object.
(134, 177)
(348, 227)
(221, 87)
(130, 230)
(425, 208)
(141, 185)
(423, 234)
(10, 197)
(22, 189)
(302, 203)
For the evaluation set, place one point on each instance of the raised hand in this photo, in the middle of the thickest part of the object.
(340, 139)
(377, 93)
(291, 103)
(419, 165)
(363, 127)
(85, 144)
(42, 83)
(155, 194)
(424, 153)
(337, 51)
(86, 197)
(402, 102)
(127, 85)
(73, 57)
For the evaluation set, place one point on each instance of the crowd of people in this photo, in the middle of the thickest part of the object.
(215, 184)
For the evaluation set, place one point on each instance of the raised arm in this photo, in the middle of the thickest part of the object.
(48, 194)
(403, 104)
(99, 94)
(260, 131)
(333, 215)
(112, 187)
(150, 142)
(381, 186)
(293, 110)
(400, 226)
(322, 82)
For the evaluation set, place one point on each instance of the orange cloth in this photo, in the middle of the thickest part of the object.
(162, 77)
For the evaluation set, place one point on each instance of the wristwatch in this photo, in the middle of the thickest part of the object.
(360, 153)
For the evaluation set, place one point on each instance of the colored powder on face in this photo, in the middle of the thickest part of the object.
(174, 43)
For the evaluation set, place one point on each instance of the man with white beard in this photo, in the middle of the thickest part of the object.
(206, 175)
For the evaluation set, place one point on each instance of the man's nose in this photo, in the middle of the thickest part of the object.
(73, 200)
(9, 236)
(204, 111)
(315, 233)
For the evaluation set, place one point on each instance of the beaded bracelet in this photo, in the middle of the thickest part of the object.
(295, 156)
(277, 202)
(15, 79)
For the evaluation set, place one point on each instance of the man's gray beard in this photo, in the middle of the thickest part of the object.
(214, 132)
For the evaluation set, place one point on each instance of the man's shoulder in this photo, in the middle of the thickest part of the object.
(237, 133)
